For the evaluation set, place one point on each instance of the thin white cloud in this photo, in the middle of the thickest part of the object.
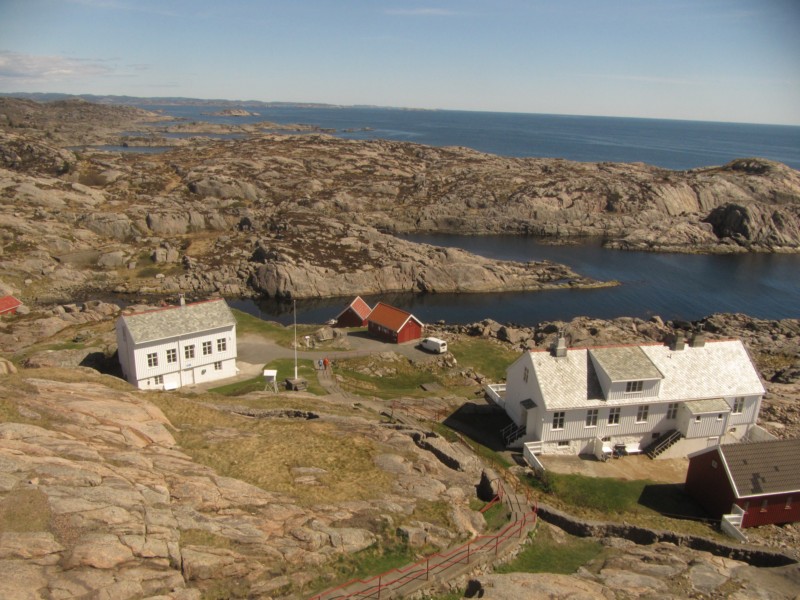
(22, 68)
(123, 5)
(420, 12)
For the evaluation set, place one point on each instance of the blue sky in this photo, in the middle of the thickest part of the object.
(720, 60)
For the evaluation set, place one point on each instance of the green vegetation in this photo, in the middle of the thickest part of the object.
(544, 554)
(497, 516)
(283, 336)
(494, 458)
(396, 378)
(483, 356)
(285, 368)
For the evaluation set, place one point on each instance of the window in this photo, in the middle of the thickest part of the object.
(525, 375)
(738, 406)
(672, 410)
(613, 416)
(152, 359)
(642, 412)
(719, 417)
(563, 443)
(634, 386)
(591, 417)
(172, 355)
(697, 419)
(218, 366)
(188, 351)
(206, 348)
(222, 345)
(558, 420)
(158, 379)
(607, 438)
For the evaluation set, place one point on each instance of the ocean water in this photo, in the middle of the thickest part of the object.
(666, 143)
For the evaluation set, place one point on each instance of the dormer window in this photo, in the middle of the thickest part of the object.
(632, 387)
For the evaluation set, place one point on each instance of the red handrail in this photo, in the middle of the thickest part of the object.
(408, 573)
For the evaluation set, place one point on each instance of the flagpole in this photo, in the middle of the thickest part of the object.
(294, 307)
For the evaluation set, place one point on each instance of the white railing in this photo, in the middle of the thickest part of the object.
(529, 452)
(731, 524)
(496, 392)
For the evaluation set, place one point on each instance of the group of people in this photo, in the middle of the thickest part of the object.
(325, 366)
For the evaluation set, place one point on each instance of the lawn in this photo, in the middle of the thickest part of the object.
(483, 356)
(544, 554)
(283, 336)
(386, 379)
(285, 368)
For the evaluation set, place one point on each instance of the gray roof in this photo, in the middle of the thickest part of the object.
(706, 406)
(625, 363)
(762, 468)
(719, 369)
(164, 323)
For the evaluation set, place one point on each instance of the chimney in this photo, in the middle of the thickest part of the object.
(698, 340)
(181, 300)
(560, 350)
(679, 342)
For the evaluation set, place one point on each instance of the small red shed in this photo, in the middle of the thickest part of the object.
(9, 305)
(355, 315)
(762, 478)
(393, 324)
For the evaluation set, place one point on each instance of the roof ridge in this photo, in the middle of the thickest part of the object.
(172, 307)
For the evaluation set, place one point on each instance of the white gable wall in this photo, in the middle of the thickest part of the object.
(184, 371)
(517, 389)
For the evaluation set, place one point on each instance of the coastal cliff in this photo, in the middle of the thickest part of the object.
(313, 215)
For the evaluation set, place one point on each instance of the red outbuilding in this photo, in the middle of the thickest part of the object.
(761, 478)
(9, 305)
(355, 315)
(393, 324)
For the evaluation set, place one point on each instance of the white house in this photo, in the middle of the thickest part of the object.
(167, 348)
(666, 400)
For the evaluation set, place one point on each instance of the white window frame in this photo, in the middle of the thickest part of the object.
(152, 359)
(558, 420)
(222, 345)
(218, 365)
(642, 413)
(614, 415)
(634, 387)
(188, 352)
(591, 417)
(738, 405)
(158, 379)
(672, 410)
(172, 355)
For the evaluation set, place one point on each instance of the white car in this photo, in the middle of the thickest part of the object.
(435, 345)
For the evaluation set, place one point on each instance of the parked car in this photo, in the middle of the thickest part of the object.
(435, 345)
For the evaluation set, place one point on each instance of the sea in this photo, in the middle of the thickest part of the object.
(672, 286)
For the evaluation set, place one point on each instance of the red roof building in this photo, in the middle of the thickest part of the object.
(355, 315)
(758, 480)
(393, 324)
(9, 305)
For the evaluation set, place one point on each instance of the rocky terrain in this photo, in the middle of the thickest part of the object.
(313, 215)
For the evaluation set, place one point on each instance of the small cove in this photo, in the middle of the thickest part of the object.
(673, 286)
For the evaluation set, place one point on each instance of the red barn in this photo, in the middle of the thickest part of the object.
(393, 324)
(761, 478)
(355, 315)
(9, 305)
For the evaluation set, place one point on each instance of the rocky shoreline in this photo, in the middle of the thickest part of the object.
(312, 215)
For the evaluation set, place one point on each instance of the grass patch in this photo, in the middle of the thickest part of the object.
(24, 510)
(263, 452)
(545, 554)
(641, 502)
(367, 563)
(483, 356)
(489, 455)
(385, 379)
(283, 336)
(285, 368)
(200, 537)
(497, 517)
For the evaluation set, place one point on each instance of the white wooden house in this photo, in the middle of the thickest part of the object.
(167, 348)
(666, 400)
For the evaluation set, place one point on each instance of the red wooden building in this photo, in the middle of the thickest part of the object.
(355, 315)
(393, 324)
(761, 478)
(9, 305)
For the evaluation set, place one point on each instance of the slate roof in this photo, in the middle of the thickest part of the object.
(719, 369)
(8, 303)
(164, 323)
(625, 363)
(358, 306)
(761, 468)
(390, 317)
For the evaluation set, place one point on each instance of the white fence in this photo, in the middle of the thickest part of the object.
(496, 392)
(732, 524)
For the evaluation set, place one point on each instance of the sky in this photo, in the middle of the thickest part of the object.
(713, 60)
